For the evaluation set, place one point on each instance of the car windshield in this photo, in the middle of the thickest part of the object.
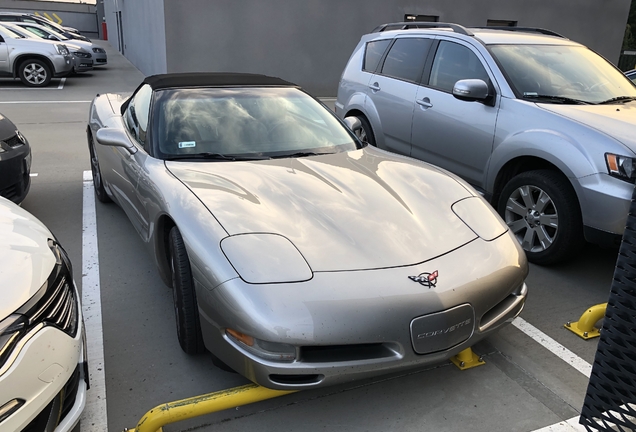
(243, 123)
(561, 74)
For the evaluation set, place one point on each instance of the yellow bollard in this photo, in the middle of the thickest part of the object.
(467, 359)
(171, 412)
(584, 327)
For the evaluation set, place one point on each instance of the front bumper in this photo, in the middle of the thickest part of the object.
(82, 64)
(15, 167)
(63, 65)
(353, 325)
(100, 59)
(49, 372)
(605, 203)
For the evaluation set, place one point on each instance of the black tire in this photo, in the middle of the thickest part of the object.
(34, 73)
(366, 133)
(98, 183)
(185, 300)
(550, 229)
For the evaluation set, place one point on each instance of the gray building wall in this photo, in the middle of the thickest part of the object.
(141, 35)
(309, 41)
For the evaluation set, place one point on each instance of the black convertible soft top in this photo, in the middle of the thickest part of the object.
(213, 79)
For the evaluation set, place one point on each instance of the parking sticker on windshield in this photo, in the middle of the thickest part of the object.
(187, 144)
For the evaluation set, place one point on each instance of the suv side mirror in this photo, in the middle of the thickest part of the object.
(51, 37)
(471, 90)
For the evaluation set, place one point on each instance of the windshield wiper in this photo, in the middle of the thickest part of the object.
(215, 156)
(618, 99)
(300, 154)
(557, 99)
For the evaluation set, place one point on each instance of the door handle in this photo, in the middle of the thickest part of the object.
(424, 102)
(374, 86)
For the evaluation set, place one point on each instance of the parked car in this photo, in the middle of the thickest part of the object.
(82, 59)
(15, 162)
(43, 377)
(297, 255)
(69, 32)
(34, 61)
(541, 125)
(631, 75)
(67, 28)
(99, 57)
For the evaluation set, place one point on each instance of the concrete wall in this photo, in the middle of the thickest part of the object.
(143, 31)
(309, 41)
(79, 16)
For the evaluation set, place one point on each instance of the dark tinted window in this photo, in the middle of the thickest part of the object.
(8, 18)
(406, 58)
(454, 62)
(373, 54)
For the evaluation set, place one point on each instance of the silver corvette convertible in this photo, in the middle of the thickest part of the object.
(297, 255)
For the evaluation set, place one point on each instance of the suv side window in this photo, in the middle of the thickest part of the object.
(137, 113)
(373, 54)
(406, 59)
(454, 62)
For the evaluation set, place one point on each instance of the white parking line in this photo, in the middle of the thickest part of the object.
(22, 88)
(94, 417)
(33, 175)
(61, 86)
(570, 425)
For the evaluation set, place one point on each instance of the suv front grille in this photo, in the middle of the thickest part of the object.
(14, 141)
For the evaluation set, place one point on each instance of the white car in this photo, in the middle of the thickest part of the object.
(43, 369)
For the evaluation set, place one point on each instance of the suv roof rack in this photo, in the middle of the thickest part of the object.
(524, 29)
(422, 24)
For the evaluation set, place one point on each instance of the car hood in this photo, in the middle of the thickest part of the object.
(363, 209)
(617, 120)
(26, 260)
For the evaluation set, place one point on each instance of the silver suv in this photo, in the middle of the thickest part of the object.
(34, 61)
(542, 126)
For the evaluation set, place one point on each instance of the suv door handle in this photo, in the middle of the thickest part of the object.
(425, 102)
(375, 86)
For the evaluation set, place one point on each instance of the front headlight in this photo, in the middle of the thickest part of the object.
(272, 351)
(61, 49)
(622, 167)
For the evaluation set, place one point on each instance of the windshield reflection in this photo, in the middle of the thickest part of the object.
(244, 122)
(561, 74)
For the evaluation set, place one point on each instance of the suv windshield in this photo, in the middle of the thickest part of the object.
(561, 74)
(244, 123)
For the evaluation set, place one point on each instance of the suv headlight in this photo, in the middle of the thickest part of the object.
(622, 167)
(61, 49)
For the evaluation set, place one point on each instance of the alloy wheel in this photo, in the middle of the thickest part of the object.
(532, 217)
(35, 74)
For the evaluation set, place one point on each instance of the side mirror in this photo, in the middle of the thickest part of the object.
(114, 137)
(53, 38)
(353, 123)
(471, 90)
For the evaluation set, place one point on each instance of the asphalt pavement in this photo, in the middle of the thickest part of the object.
(523, 387)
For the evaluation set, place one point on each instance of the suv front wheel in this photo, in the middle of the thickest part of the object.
(541, 209)
(34, 73)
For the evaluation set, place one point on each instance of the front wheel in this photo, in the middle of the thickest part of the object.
(365, 133)
(185, 300)
(34, 73)
(541, 209)
(98, 182)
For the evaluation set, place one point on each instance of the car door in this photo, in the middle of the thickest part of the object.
(126, 167)
(454, 134)
(392, 90)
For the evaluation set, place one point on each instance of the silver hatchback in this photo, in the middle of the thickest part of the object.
(541, 125)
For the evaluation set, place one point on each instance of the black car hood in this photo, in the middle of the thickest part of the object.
(7, 128)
